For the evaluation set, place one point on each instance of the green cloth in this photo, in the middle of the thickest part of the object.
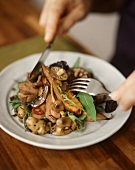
(13, 52)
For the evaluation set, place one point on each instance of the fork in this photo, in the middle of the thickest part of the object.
(88, 85)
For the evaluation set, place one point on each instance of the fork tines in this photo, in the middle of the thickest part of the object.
(79, 84)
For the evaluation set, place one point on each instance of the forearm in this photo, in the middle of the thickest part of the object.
(106, 6)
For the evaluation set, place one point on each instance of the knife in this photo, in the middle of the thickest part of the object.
(36, 70)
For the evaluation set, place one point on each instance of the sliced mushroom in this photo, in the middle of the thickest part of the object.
(61, 64)
(81, 72)
(59, 73)
(41, 98)
(58, 106)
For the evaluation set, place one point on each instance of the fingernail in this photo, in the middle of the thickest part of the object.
(114, 95)
(48, 37)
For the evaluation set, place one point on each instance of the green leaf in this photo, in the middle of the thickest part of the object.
(28, 113)
(87, 102)
(65, 98)
(88, 69)
(25, 118)
(100, 109)
(82, 117)
(74, 118)
(15, 103)
(77, 63)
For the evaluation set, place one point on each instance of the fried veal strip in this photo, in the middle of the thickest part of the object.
(52, 82)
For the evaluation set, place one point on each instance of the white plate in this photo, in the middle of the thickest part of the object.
(95, 131)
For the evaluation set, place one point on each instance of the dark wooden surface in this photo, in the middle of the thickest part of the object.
(18, 22)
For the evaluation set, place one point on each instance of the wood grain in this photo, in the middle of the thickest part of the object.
(18, 22)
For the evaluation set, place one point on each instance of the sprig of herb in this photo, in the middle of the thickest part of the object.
(65, 98)
(78, 120)
(15, 102)
(87, 102)
(77, 63)
(26, 111)
(88, 69)
(25, 118)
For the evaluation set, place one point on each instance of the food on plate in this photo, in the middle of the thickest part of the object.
(48, 106)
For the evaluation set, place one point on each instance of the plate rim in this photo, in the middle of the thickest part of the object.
(57, 147)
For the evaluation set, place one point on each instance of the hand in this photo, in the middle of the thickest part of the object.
(58, 16)
(125, 93)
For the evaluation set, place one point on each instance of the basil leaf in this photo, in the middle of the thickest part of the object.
(87, 102)
(77, 63)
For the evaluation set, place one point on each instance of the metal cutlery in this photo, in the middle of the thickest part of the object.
(88, 85)
(36, 70)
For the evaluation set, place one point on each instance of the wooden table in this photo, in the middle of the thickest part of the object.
(19, 30)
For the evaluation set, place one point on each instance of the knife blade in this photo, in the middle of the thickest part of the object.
(36, 70)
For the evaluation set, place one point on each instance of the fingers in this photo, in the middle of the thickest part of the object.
(125, 93)
(127, 101)
(53, 19)
(73, 16)
(43, 16)
(60, 15)
(50, 17)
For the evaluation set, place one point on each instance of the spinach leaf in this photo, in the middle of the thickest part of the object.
(77, 63)
(87, 102)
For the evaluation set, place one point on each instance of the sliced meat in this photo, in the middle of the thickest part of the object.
(38, 83)
(26, 97)
(48, 113)
(53, 82)
(27, 88)
(99, 116)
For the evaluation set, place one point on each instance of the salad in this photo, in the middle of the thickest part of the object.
(46, 105)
